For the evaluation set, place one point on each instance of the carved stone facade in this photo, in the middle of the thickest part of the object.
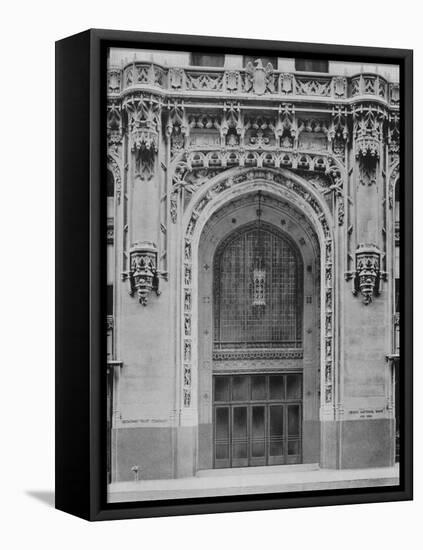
(190, 149)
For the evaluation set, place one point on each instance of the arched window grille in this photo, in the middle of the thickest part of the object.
(242, 321)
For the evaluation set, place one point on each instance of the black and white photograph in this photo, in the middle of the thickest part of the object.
(253, 274)
(210, 237)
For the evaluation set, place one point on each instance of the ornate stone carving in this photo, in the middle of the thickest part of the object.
(286, 131)
(367, 274)
(394, 133)
(114, 76)
(286, 83)
(144, 121)
(187, 397)
(257, 354)
(393, 180)
(187, 376)
(187, 325)
(369, 120)
(114, 125)
(313, 86)
(176, 78)
(340, 86)
(341, 211)
(114, 167)
(177, 127)
(259, 79)
(143, 275)
(338, 131)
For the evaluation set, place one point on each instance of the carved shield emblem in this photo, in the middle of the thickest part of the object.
(286, 83)
(259, 81)
(339, 86)
(395, 93)
(175, 78)
(232, 81)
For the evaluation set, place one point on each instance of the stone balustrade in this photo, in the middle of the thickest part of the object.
(251, 81)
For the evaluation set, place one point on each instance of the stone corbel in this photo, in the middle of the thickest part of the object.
(143, 274)
(367, 276)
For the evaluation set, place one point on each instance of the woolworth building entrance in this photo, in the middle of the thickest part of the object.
(258, 283)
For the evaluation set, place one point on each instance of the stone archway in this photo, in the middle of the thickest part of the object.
(289, 193)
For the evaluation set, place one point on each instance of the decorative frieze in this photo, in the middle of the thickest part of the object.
(257, 354)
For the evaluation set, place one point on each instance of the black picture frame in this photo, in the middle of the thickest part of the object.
(80, 285)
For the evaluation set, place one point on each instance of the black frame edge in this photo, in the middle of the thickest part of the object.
(72, 384)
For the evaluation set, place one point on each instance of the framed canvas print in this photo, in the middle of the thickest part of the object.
(234, 274)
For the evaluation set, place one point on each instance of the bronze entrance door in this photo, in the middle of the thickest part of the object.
(257, 419)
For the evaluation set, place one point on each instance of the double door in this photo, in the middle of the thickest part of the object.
(257, 419)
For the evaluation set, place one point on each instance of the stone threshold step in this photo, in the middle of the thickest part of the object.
(258, 470)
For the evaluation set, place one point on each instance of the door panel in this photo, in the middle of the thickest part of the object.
(239, 436)
(276, 434)
(222, 437)
(294, 434)
(257, 420)
(258, 435)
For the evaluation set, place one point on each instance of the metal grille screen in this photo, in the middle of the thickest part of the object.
(237, 322)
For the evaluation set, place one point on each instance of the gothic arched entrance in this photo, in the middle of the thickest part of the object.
(259, 353)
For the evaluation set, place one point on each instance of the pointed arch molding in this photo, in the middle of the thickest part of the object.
(220, 190)
(194, 163)
(113, 166)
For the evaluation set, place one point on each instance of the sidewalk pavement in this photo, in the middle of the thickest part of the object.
(236, 481)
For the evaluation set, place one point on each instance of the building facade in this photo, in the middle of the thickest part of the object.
(253, 263)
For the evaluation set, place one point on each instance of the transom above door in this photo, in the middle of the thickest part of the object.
(257, 419)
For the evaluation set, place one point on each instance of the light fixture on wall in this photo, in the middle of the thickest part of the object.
(259, 272)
